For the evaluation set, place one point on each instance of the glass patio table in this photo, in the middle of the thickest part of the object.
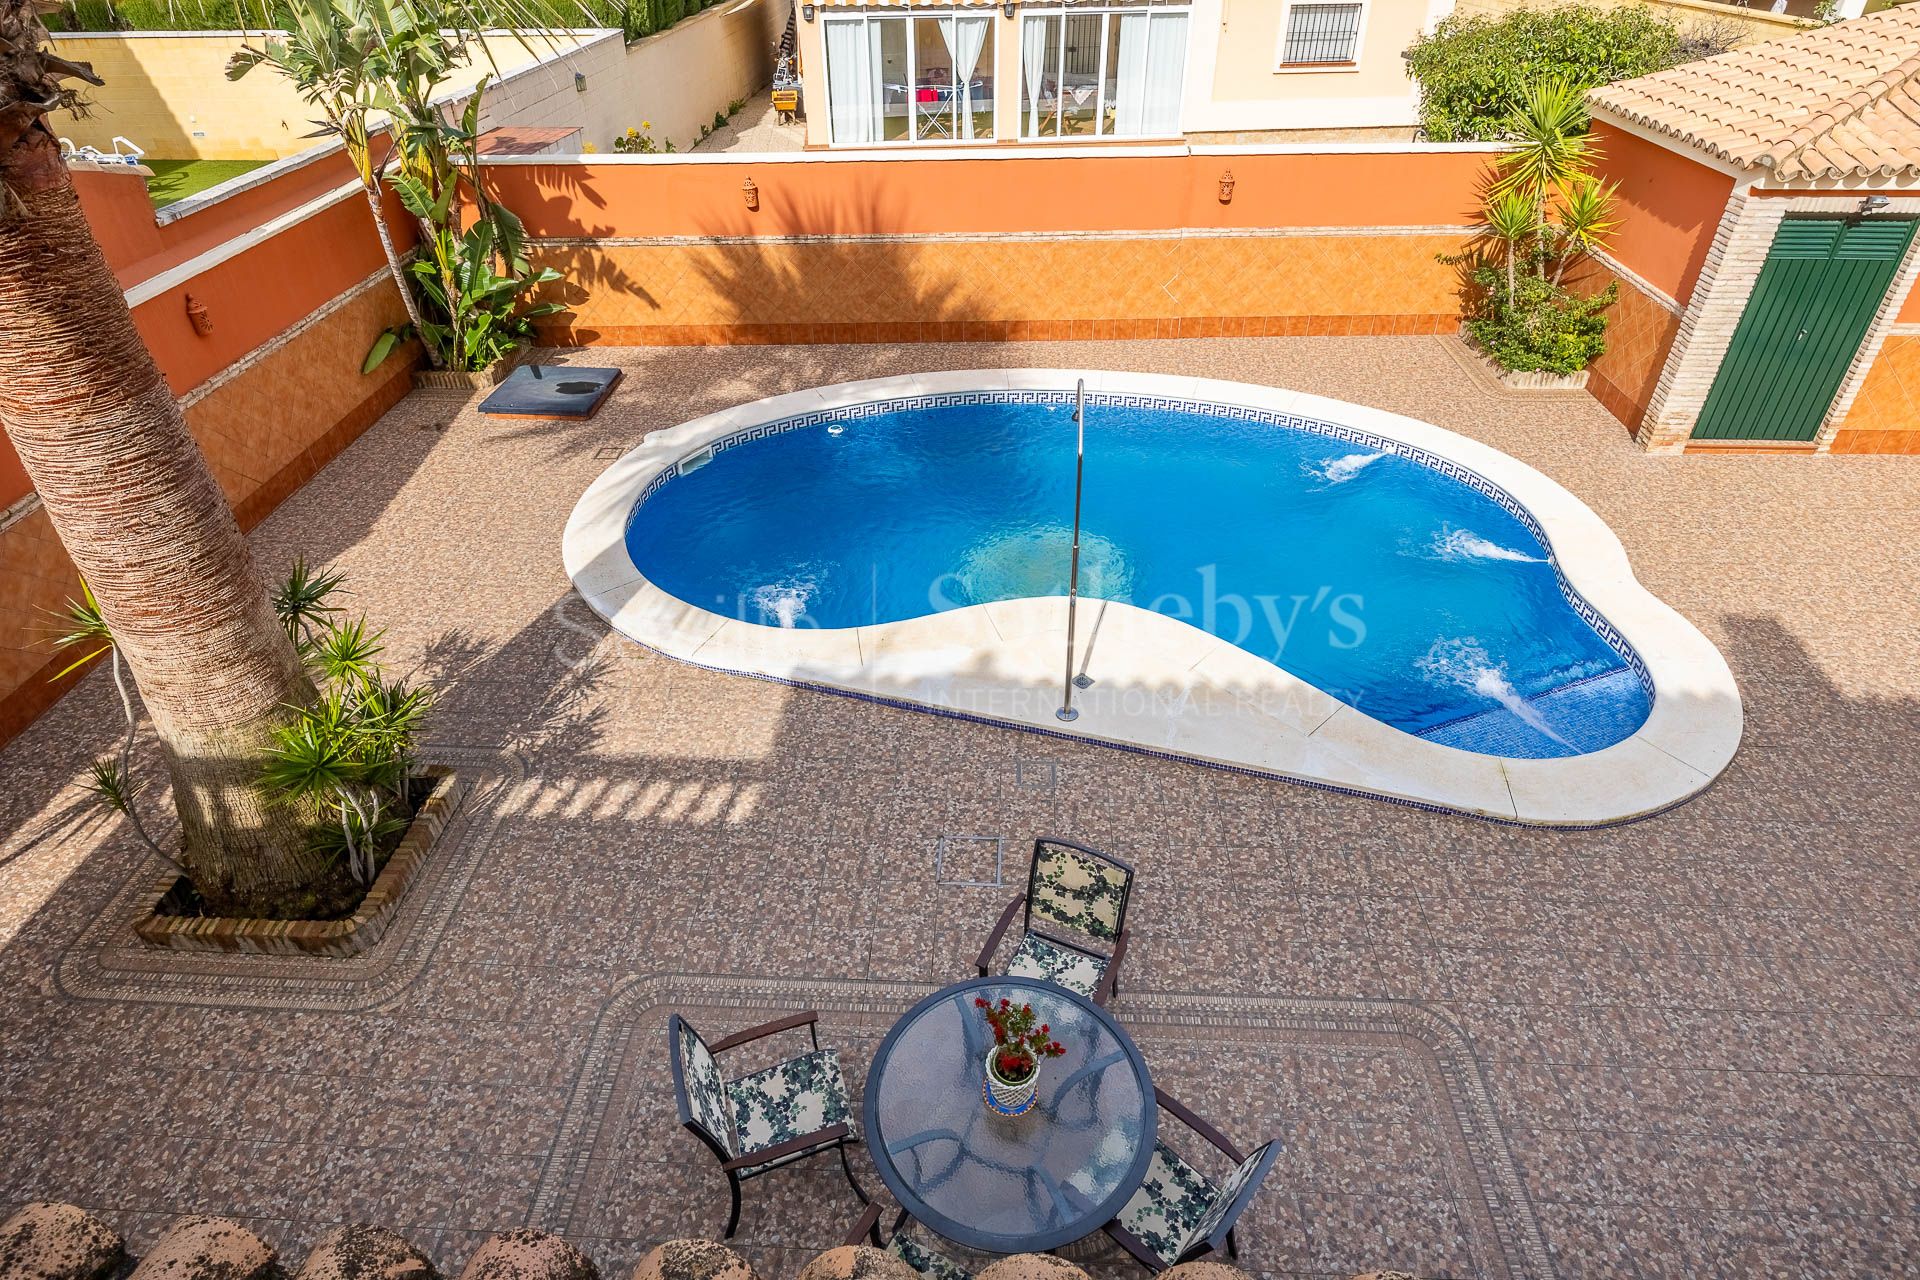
(1009, 1184)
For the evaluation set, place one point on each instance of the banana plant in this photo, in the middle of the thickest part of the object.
(475, 279)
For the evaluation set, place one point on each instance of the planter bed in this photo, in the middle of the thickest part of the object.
(453, 380)
(1523, 379)
(161, 925)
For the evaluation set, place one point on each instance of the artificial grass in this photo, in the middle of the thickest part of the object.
(177, 179)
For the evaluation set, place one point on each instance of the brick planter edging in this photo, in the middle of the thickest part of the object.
(347, 937)
(455, 380)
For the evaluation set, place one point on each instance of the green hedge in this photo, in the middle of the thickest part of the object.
(1473, 71)
(634, 17)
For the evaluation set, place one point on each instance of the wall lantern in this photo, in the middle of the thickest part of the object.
(579, 82)
(1007, 8)
(197, 316)
(752, 193)
(1874, 204)
(807, 11)
(1226, 187)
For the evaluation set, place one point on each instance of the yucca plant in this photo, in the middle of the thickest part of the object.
(352, 751)
(302, 601)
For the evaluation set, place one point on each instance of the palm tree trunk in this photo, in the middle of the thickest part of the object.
(133, 501)
(393, 264)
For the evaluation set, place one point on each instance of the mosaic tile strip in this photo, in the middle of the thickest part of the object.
(1505, 1236)
(1235, 413)
(108, 963)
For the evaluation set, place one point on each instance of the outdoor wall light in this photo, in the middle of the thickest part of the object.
(806, 11)
(1007, 8)
(1226, 187)
(197, 316)
(1874, 204)
(579, 82)
(752, 193)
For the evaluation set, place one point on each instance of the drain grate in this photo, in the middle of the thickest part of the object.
(607, 452)
(969, 862)
(1036, 775)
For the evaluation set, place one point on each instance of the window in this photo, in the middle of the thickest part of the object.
(909, 78)
(1104, 73)
(1321, 34)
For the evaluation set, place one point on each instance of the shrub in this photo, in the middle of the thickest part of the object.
(1474, 71)
(1541, 325)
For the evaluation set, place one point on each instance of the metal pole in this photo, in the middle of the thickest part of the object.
(1066, 711)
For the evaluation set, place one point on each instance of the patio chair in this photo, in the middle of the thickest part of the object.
(925, 1259)
(1075, 933)
(767, 1118)
(1179, 1214)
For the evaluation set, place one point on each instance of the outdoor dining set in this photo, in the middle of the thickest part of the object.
(1008, 1113)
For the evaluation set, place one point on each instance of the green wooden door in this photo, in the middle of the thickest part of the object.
(1823, 281)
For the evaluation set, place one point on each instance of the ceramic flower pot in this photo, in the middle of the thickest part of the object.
(1007, 1098)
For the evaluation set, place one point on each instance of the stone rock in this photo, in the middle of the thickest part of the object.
(857, 1262)
(694, 1260)
(528, 1255)
(203, 1248)
(361, 1252)
(1032, 1266)
(1206, 1269)
(48, 1241)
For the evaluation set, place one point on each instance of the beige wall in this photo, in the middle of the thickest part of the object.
(1236, 82)
(680, 77)
(168, 92)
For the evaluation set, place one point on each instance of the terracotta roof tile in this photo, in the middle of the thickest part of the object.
(1832, 102)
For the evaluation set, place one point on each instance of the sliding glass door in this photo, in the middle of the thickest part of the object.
(909, 78)
(1110, 73)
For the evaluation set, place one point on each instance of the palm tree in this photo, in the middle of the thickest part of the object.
(107, 450)
(326, 52)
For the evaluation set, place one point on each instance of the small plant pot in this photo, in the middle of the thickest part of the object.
(450, 380)
(1004, 1097)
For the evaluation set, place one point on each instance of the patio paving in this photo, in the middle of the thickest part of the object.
(1684, 1046)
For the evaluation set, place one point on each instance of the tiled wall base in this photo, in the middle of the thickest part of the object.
(1885, 417)
(265, 431)
(704, 335)
(1640, 331)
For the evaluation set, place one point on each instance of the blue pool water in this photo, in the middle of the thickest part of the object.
(1405, 593)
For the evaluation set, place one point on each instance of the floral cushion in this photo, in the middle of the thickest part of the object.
(1078, 892)
(705, 1098)
(1174, 1200)
(790, 1100)
(928, 1262)
(1050, 962)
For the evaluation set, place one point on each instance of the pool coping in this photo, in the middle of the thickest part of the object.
(1165, 687)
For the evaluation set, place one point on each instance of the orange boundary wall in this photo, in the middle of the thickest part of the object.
(1669, 208)
(265, 430)
(1007, 247)
(1117, 191)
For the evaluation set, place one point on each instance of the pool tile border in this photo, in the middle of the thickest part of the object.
(1690, 736)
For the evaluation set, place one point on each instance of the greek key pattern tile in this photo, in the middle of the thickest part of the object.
(107, 962)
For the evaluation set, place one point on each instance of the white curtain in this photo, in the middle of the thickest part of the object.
(1166, 73)
(853, 106)
(965, 37)
(1130, 111)
(1033, 60)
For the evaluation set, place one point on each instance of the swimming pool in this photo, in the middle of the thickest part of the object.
(894, 538)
